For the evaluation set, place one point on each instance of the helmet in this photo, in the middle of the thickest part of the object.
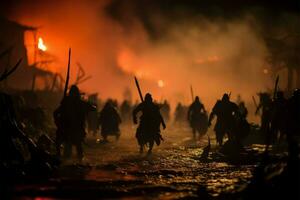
(74, 91)
(148, 97)
(225, 97)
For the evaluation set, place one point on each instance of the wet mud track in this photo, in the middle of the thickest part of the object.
(117, 171)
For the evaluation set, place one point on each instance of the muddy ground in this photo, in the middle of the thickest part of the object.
(116, 170)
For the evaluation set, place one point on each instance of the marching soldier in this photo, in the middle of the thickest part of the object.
(197, 117)
(226, 112)
(71, 117)
(109, 120)
(148, 130)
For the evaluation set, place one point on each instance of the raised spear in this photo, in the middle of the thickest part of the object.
(68, 74)
(276, 87)
(139, 89)
(192, 93)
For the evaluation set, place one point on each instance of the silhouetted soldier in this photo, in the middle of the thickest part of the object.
(165, 110)
(265, 104)
(125, 109)
(279, 117)
(109, 120)
(197, 117)
(179, 114)
(92, 118)
(243, 110)
(226, 112)
(148, 130)
(242, 128)
(70, 117)
(293, 117)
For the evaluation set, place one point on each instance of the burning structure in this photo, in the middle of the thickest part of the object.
(12, 40)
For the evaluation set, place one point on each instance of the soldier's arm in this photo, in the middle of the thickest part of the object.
(118, 117)
(163, 122)
(135, 112)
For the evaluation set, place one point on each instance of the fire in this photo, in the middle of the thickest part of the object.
(41, 45)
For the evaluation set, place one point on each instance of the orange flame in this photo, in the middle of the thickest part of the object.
(41, 45)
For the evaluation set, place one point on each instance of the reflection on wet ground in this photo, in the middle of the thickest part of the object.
(117, 171)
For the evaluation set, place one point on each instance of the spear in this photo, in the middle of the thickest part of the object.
(192, 93)
(254, 101)
(276, 87)
(68, 74)
(139, 89)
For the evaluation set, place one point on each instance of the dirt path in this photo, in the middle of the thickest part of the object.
(116, 170)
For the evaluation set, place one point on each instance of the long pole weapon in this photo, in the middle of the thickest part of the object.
(276, 87)
(68, 74)
(192, 93)
(254, 101)
(139, 89)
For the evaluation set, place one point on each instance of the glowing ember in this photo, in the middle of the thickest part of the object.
(41, 45)
(160, 83)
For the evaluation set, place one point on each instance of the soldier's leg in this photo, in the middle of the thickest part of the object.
(219, 137)
(139, 139)
(151, 144)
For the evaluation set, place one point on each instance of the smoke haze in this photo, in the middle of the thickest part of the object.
(167, 50)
